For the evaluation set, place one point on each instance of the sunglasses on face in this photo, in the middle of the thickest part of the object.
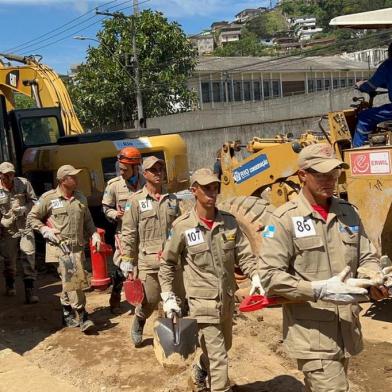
(332, 175)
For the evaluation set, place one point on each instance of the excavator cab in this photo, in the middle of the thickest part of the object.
(39, 140)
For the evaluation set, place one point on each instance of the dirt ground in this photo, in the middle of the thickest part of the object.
(108, 362)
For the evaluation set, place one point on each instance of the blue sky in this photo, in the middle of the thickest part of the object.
(39, 26)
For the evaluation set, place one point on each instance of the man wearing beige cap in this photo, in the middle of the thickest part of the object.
(207, 243)
(311, 250)
(62, 216)
(147, 221)
(117, 192)
(16, 199)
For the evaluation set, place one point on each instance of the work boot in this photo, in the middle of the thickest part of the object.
(114, 302)
(86, 325)
(10, 287)
(31, 297)
(198, 379)
(137, 331)
(69, 319)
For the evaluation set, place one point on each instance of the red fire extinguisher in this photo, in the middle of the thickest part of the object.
(100, 279)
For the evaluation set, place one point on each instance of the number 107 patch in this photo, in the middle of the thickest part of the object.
(303, 227)
(194, 237)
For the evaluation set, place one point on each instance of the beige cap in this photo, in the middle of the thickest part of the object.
(151, 161)
(204, 176)
(67, 170)
(320, 157)
(7, 167)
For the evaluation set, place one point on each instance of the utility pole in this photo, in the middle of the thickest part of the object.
(139, 100)
(135, 61)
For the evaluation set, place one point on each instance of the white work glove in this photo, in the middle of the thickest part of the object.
(96, 241)
(376, 280)
(126, 268)
(256, 285)
(170, 305)
(335, 289)
(20, 211)
(50, 234)
(387, 271)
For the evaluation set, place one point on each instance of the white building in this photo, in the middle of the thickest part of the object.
(203, 43)
(222, 81)
(305, 28)
(229, 33)
(248, 14)
(373, 56)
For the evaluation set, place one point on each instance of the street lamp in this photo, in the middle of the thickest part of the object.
(113, 55)
(135, 79)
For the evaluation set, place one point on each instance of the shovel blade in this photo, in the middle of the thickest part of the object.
(134, 292)
(175, 346)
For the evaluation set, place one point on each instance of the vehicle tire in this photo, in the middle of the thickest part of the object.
(251, 213)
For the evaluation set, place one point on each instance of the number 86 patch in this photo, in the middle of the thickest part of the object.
(303, 227)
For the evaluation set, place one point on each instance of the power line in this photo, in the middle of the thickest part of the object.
(29, 47)
(15, 48)
(66, 37)
(74, 31)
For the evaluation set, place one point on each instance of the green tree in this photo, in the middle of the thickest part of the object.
(248, 45)
(267, 24)
(24, 102)
(103, 90)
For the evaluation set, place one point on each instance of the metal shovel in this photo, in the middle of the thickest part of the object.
(175, 341)
(73, 275)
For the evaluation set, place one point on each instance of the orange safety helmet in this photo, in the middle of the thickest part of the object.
(130, 156)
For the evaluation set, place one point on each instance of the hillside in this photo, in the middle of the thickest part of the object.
(275, 23)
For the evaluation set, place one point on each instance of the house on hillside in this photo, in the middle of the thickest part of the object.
(228, 33)
(203, 43)
(222, 81)
(218, 25)
(305, 27)
(249, 13)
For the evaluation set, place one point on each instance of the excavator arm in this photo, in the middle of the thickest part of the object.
(42, 84)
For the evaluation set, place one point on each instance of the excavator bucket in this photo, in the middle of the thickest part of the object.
(175, 341)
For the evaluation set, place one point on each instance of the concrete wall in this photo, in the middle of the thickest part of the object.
(202, 145)
(205, 131)
(282, 109)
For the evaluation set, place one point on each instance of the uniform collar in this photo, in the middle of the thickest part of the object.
(146, 194)
(196, 221)
(59, 193)
(305, 209)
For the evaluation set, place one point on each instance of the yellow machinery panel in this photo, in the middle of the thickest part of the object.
(91, 157)
(369, 188)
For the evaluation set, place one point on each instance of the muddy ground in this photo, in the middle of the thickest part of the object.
(107, 361)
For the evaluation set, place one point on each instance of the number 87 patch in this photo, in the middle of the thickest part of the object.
(303, 227)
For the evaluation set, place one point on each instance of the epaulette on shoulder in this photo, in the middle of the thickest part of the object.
(49, 193)
(280, 211)
(346, 204)
(21, 179)
(343, 201)
(173, 196)
(115, 179)
(181, 218)
(226, 213)
(79, 195)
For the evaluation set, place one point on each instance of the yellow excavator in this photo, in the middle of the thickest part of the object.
(41, 139)
(270, 166)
